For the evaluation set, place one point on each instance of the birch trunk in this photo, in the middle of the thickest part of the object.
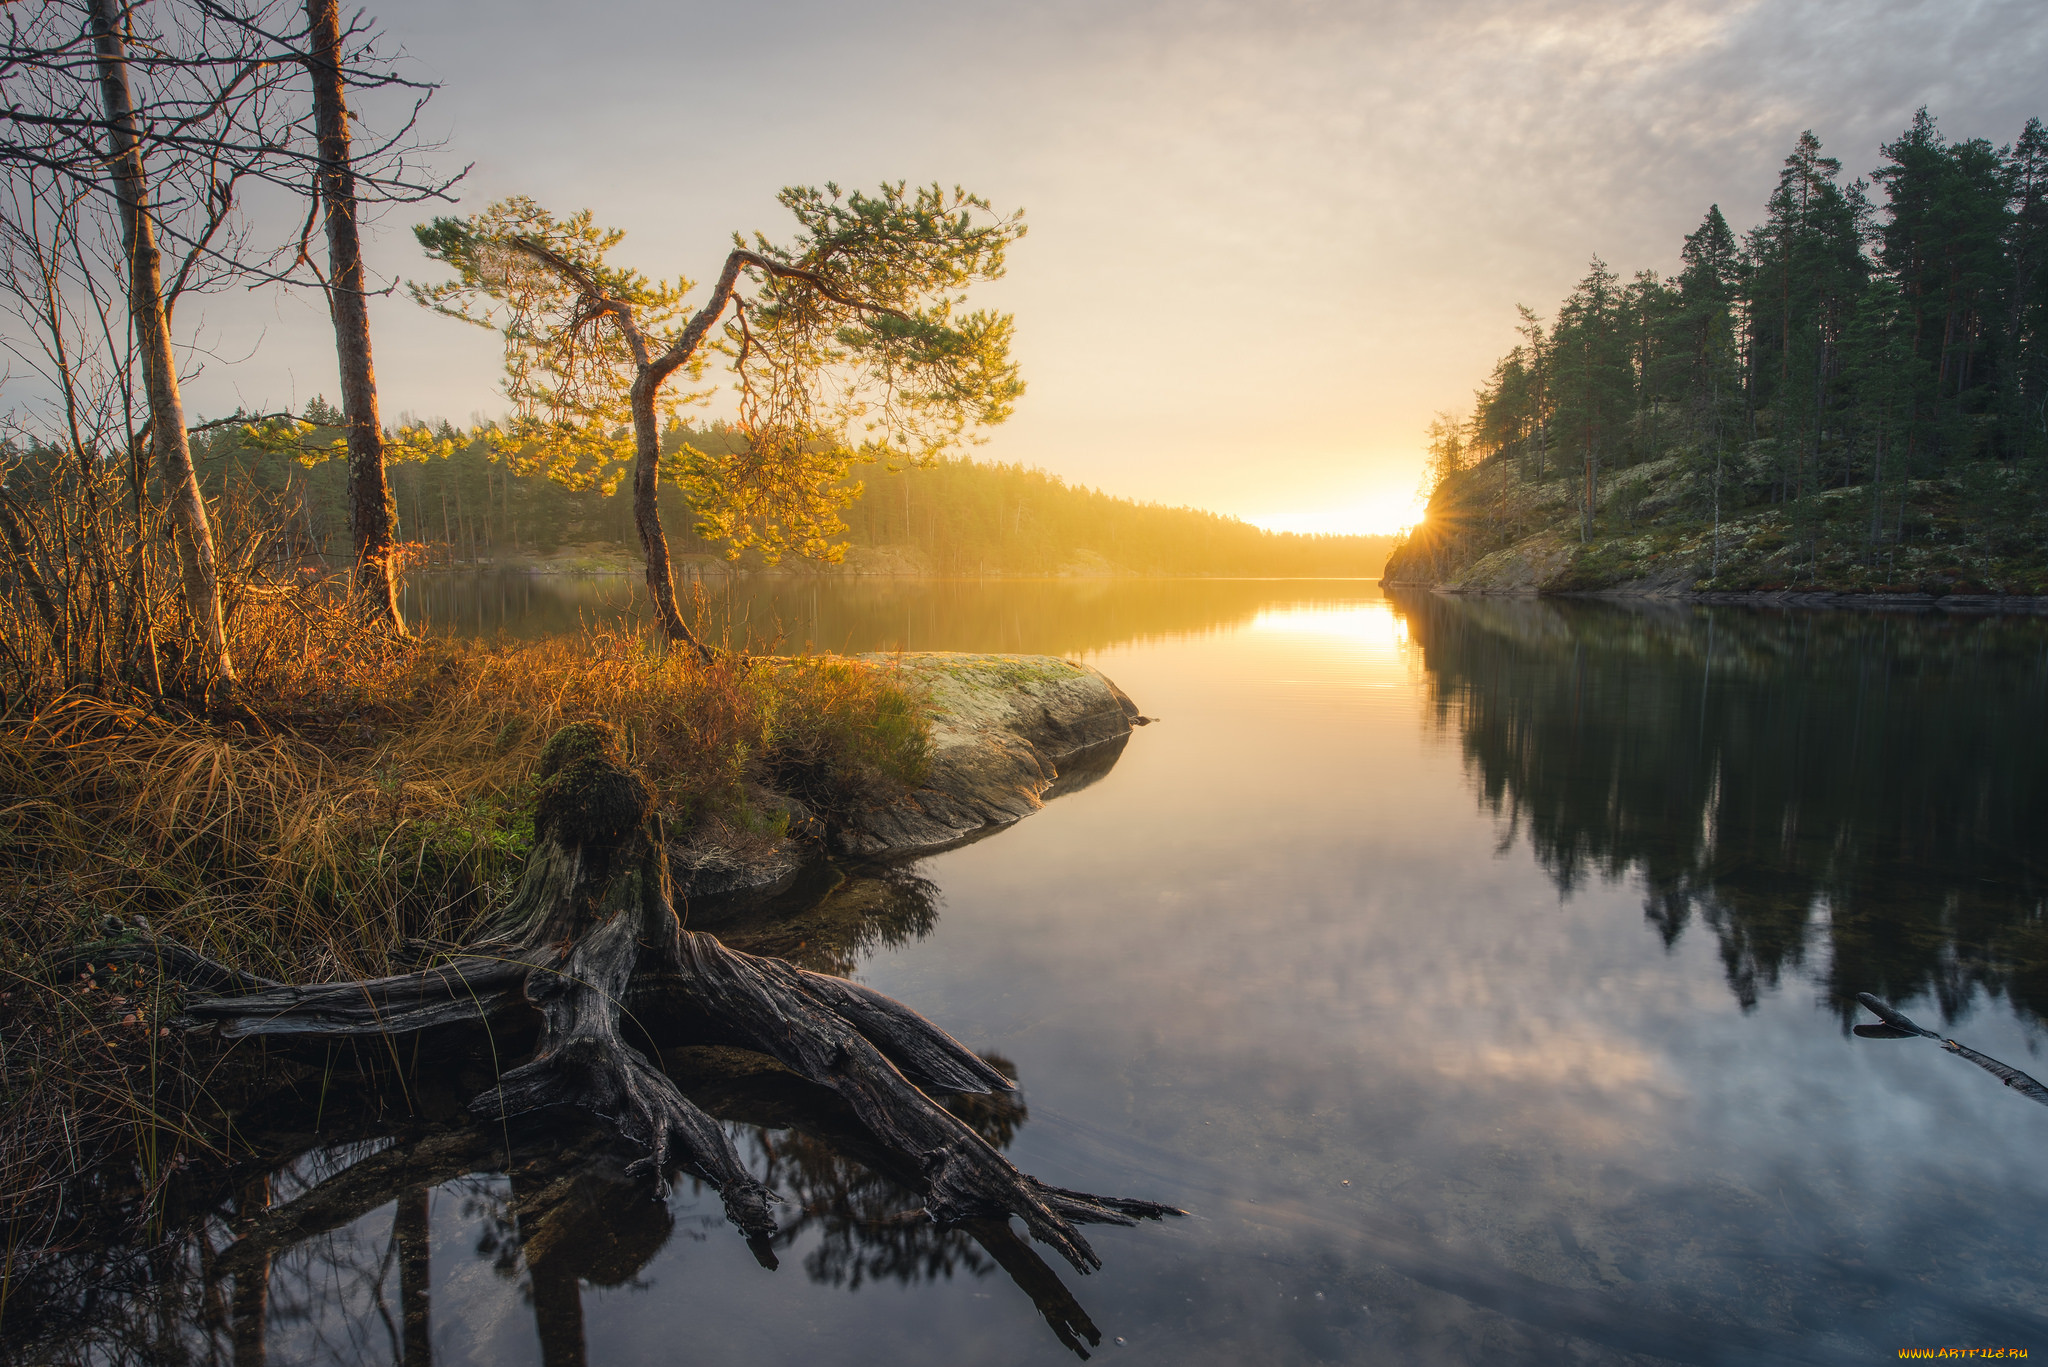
(173, 447)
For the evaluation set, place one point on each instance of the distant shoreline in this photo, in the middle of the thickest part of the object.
(542, 570)
(1960, 604)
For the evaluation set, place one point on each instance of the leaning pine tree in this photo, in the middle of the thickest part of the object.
(849, 343)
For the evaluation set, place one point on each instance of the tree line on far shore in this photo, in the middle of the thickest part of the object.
(1867, 335)
(457, 503)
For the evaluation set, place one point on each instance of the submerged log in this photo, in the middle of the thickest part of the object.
(1896, 1025)
(591, 940)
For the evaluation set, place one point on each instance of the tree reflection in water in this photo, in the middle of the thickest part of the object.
(288, 1247)
(1875, 784)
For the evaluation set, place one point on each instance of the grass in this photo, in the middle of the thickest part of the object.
(375, 791)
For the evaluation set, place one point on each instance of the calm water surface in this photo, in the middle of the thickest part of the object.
(1477, 974)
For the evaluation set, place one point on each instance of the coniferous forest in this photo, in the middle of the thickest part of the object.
(1848, 395)
(459, 503)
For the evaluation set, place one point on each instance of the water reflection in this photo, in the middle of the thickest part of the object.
(319, 1246)
(851, 614)
(1432, 1096)
(831, 919)
(1858, 797)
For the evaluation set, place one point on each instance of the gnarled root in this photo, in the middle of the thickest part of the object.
(817, 1027)
(591, 930)
(581, 1061)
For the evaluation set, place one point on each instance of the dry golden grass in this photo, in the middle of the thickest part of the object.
(380, 791)
(375, 790)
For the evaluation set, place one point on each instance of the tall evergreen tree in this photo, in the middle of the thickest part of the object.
(1700, 371)
(1594, 379)
(1806, 269)
(2023, 350)
(1942, 242)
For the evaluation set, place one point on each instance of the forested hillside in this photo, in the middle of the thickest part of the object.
(1850, 395)
(457, 505)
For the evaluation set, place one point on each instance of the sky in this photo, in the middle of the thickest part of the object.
(1267, 240)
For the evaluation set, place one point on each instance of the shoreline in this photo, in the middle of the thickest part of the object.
(1959, 604)
(1009, 732)
(683, 570)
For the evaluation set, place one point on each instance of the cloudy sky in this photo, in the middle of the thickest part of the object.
(1267, 240)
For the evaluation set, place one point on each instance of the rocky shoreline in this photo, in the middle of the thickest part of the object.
(1976, 604)
(1009, 732)
(1494, 529)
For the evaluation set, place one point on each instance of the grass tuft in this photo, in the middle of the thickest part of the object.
(374, 791)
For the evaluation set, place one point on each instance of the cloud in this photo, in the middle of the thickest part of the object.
(1269, 240)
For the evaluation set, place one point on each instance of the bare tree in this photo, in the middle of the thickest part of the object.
(152, 323)
(167, 130)
(336, 60)
(172, 123)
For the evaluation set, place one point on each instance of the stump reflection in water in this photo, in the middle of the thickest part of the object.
(285, 1256)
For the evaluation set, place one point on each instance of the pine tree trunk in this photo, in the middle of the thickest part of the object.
(661, 585)
(369, 495)
(173, 448)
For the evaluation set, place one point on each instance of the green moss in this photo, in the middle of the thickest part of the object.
(844, 735)
(1982, 528)
(587, 795)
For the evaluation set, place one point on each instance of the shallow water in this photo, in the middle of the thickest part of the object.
(1478, 975)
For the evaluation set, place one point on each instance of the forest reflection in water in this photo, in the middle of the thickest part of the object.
(1590, 1100)
(1858, 795)
(850, 614)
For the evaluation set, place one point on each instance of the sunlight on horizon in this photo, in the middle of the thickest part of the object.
(1372, 624)
(1382, 513)
(1359, 653)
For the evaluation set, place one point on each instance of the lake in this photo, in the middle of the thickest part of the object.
(1478, 975)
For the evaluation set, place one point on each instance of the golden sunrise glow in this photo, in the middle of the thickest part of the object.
(1372, 626)
(1393, 509)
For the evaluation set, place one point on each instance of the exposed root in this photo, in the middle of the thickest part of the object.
(592, 929)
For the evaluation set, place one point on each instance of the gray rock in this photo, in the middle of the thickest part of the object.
(1002, 727)
(1008, 733)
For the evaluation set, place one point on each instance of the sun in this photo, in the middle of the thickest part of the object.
(1378, 513)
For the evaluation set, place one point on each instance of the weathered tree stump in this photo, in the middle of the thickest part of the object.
(591, 939)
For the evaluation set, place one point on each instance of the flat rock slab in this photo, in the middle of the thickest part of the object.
(1003, 728)
(1008, 731)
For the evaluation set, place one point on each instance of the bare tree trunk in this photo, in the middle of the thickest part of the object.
(414, 1230)
(369, 496)
(153, 335)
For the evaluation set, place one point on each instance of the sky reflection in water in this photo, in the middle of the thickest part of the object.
(1475, 973)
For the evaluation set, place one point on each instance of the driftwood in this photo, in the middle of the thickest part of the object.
(591, 943)
(1899, 1026)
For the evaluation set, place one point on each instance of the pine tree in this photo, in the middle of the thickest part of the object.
(1594, 382)
(2023, 350)
(1942, 242)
